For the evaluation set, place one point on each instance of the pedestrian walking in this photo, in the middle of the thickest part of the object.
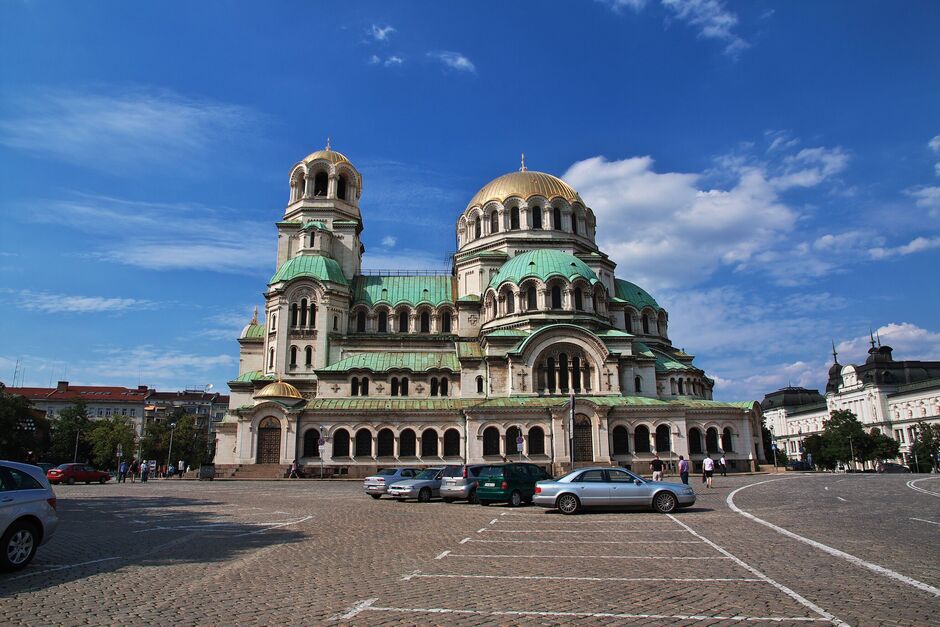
(684, 470)
(723, 466)
(144, 471)
(122, 473)
(134, 469)
(181, 468)
(708, 470)
(657, 467)
(293, 471)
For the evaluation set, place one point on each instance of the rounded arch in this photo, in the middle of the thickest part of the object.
(340, 442)
(711, 440)
(536, 440)
(407, 443)
(620, 440)
(385, 443)
(695, 441)
(641, 439)
(451, 443)
(311, 443)
(512, 434)
(429, 443)
(663, 439)
(363, 443)
(490, 441)
(727, 440)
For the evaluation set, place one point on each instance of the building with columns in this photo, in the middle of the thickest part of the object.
(356, 370)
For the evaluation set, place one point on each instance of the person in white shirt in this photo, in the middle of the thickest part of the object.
(723, 466)
(708, 466)
(182, 468)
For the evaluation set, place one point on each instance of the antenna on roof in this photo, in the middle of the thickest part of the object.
(522, 169)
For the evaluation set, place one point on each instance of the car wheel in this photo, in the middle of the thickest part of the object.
(424, 496)
(70, 481)
(449, 500)
(103, 480)
(568, 504)
(515, 499)
(376, 496)
(472, 498)
(19, 545)
(483, 503)
(665, 503)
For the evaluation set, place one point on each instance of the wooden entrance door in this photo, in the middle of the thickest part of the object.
(583, 439)
(269, 441)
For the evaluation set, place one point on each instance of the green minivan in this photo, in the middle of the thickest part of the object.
(512, 483)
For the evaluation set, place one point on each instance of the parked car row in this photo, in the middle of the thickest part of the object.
(73, 473)
(516, 483)
(27, 513)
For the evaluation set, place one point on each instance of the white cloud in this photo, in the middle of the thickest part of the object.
(454, 60)
(908, 341)
(390, 61)
(712, 19)
(52, 303)
(934, 145)
(388, 241)
(227, 326)
(619, 5)
(375, 59)
(381, 33)
(927, 198)
(126, 127)
(916, 245)
(393, 60)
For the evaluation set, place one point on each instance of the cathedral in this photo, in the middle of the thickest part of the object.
(530, 348)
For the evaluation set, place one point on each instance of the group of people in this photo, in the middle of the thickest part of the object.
(147, 469)
(657, 466)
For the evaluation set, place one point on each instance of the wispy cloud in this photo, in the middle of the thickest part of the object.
(117, 126)
(381, 33)
(390, 61)
(388, 241)
(927, 198)
(48, 302)
(934, 145)
(454, 61)
(226, 326)
(916, 245)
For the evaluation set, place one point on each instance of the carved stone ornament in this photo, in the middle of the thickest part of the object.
(473, 319)
(379, 388)
(419, 388)
(335, 388)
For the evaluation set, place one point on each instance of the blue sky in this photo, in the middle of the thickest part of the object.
(769, 171)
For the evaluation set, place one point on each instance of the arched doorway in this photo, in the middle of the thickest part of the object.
(269, 441)
(583, 448)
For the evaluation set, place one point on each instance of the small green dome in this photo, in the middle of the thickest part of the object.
(635, 295)
(543, 264)
(315, 266)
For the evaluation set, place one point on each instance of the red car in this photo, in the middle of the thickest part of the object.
(70, 473)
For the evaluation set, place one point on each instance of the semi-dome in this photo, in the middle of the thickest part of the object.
(279, 391)
(542, 265)
(314, 266)
(525, 184)
(635, 295)
(329, 155)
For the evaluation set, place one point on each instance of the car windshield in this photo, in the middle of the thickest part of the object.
(492, 471)
(453, 471)
(430, 473)
(65, 466)
(388, 472)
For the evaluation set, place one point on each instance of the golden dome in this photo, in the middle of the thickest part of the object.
(330, 155)
(525, 184)
(279, 390)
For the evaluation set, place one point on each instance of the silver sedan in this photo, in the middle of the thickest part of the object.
(423, 487)
(612, 488)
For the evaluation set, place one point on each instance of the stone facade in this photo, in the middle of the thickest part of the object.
(430, 368)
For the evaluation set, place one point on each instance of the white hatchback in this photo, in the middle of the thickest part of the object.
(27, 513)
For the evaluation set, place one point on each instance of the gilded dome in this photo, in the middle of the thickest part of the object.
(330, 155)
(279, 390)
(525, 184)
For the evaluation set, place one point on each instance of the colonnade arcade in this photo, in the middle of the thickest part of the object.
(564, 369)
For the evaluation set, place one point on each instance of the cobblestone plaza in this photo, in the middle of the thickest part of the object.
(309, 552)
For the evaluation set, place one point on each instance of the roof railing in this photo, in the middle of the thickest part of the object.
(386, 272)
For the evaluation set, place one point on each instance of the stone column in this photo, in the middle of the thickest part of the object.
(308, 185)
(331, 185)
(544, 300)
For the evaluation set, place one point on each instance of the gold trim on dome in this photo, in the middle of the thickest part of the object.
(279, 389)
(525, 184)
(330, 155)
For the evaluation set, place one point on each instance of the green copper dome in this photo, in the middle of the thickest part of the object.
(635, 295)
(314, 266)
(543, 264)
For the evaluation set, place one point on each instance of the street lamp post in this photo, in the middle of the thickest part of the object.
(78, 432)
(773, 446)
(169, 454)
(209, 427)
(852, 452)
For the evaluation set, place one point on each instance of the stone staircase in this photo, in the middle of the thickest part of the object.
(251, 471)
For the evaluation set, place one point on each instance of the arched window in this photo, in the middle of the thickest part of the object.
(476, 229)
(429, 443)
(404, 386)
(425, 322)
(563, 372)
(530, 298)
(274, 322)
(711, 440)
(394, 386)
(360, 321)
(341, 187)
(297, 186)
(341, 443)
(354, 387)
(578, 300)
(491, 441)
(293, 314)
(574, 223)
(433, 386)
(556, 297)
(511, 434)
(403, 322)
(363, 443)
(641, 439)
(383, 322)
(293, 356)
(679, 382)
(407, 444)
(536, 213)
(480, 385)
(638, 384)
(271, 358)
(673, 388)
(621, 440)
(628, 322)
(385, 444)
(662, 439)
(303, 312)
(336, 323)
(510, 302)
(536, 441)
(364, 386)
(320, 184)
(646, 324)
(308, 356)
(451, 443)
(311, 443)
(550, 375)
(494, 222)
(313, 315)
(726, 442)
(445, 322)
(556, 219)
(514, 218)
(695, 441)
(443, 386)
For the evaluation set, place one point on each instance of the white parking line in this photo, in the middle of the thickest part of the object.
(580, 531)
(600, 557)
(912, 486)
(572, 578)
(842, 499)
(465, 540)
(356, 609)
(779, 586)
(52, 569)
(918, 519)
(442, 555)
(881, 570)
(283, 524)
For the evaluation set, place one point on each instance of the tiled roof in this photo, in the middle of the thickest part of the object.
(635, 295)
(542, 264)
(385, 361)
(508, 333)
(469, 350)
(315, 224)
(316, 266)
(376, 404)
(251, 375)
(253, 332)
(665, 363)
(394, 290)
(88, 393)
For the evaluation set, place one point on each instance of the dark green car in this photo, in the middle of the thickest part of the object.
(512, 483)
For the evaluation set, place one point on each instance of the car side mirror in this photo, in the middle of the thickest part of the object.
(638, 482)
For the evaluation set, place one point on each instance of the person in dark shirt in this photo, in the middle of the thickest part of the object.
(657, 467)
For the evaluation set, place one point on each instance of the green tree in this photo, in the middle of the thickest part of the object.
(24, 431)
(104, 437)
(845, 436)
(926, 447)
(768, 439)
(70, 425)
(817, 445)
(881, 447)
(189, 440)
